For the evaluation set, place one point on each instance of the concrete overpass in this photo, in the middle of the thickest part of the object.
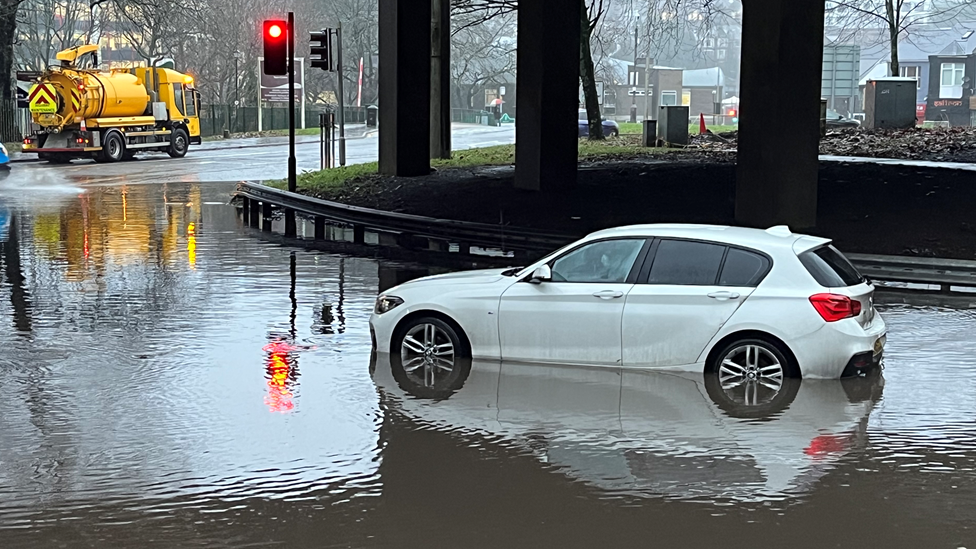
(782, 50)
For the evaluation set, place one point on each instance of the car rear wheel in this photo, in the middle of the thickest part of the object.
(429, 356)
(752, 378)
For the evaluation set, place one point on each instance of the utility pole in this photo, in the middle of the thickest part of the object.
(290, 226)
(342, 100)
(633, 86)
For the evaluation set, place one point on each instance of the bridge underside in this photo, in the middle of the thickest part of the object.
(779, 134)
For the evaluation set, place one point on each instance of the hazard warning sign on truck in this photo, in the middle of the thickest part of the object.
(43, 99)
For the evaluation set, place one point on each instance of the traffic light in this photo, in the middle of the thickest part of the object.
(275, 47)
(321, 50)
(733, 113)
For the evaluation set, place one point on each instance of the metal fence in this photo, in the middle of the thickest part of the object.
(12, 122)
(214, 119)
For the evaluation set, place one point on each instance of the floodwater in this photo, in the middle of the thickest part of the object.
(170, 379)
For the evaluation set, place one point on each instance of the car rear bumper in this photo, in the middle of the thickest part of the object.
(841, 349)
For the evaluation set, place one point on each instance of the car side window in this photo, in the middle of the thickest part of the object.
(681, 262)
(607, 261)
(743, 268)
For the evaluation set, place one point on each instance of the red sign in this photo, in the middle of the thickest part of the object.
(920, 112)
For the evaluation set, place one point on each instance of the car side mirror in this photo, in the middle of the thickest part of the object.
(542, 274)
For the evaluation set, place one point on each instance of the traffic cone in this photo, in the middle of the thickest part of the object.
(701, 126)
(83, 127)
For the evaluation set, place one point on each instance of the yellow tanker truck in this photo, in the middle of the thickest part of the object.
(83, 112)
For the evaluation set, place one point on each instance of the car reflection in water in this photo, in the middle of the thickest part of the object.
(646, 434)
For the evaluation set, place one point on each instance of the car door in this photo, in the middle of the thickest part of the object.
(688, 290)
(575, 317)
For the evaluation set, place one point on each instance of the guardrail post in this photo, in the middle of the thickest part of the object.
(358, 234)
(291, 227)
(464, 248)
(319, 227)
(437, 245)
(255, 213)
(246, 210)
(268, 213)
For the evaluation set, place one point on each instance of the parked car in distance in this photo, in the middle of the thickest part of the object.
(752, 306)
(610, 128)
(837, 121)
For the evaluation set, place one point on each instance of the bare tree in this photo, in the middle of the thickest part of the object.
(892, 20)
(589, 17)
(481, 53)
(46, 27)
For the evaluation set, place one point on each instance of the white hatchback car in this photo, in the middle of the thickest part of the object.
(753, 306)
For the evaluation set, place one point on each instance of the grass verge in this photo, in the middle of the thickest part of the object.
(324, 181)
(628, 128)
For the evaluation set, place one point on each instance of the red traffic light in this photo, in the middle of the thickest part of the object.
(275, 47)
(733, 112)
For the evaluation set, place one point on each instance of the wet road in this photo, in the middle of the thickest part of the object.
(204, 163)
(170, 380)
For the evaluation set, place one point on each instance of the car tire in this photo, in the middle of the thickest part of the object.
(614, 133)
(429, 357)
(752, 378)
(180, 143)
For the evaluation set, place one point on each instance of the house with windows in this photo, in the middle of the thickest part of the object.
(951, 97)
(914, 58)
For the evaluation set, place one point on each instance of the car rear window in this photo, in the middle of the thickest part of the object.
(830, 268)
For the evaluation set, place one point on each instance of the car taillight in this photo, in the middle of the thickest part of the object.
(833, 307)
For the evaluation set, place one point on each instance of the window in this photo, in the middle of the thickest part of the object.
(723, 42)
(606, 261)
(191, 104)
(720, 54)
(669, 98)
(912, 72)
(686, 263)
(709, 42)
(952, 75)
(743, 268)
(178, 98)
(830, 268)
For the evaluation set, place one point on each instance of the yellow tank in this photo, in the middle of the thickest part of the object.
(89, 94)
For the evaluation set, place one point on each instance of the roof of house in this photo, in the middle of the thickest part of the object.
(703, 78)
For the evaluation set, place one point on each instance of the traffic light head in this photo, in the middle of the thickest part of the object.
(275, 38)
(733, 113)
(321, 50)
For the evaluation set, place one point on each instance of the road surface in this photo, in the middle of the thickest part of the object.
(233, 164)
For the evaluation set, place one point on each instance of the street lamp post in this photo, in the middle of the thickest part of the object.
(238, 55)
(633, 87)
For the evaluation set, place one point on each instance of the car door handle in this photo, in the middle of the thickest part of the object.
(608, 294)
(723, 296)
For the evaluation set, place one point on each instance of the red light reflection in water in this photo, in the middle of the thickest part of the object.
(282, 371)
(825, 445)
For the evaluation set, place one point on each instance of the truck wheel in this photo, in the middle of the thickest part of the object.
(113, 149)
(180, 143)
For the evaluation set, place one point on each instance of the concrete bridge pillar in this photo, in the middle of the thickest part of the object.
(548, 94)
(779, 132)
(405, 78)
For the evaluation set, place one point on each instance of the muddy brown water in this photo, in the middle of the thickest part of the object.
(163, 383)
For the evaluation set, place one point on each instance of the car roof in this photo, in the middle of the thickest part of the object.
(774, 237)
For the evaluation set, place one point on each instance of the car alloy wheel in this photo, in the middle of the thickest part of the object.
(751, 366)
(428, 353)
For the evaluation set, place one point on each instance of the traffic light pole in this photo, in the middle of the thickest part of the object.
(342, 100)
(290, 226)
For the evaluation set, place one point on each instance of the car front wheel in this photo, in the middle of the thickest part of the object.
(429, 354)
